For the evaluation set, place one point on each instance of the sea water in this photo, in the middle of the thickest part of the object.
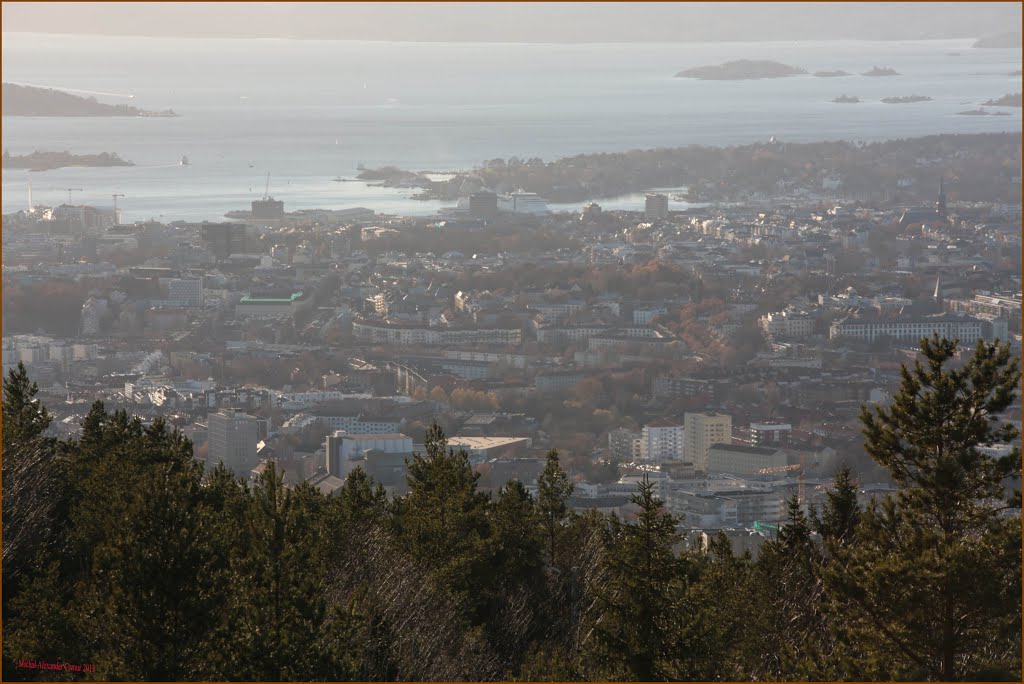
(307, 112)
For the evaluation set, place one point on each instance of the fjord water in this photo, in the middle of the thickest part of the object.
(310, 111)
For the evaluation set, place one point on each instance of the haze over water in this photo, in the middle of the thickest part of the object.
(309, 111)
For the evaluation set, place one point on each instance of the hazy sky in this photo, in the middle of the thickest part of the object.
(521, 22)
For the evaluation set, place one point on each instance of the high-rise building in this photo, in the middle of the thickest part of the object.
(662, 440)
(704, 430)
(233, 437)
(770, 434)
(223, 239)
(655, 205)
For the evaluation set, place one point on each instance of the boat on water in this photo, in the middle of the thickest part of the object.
(339, 179)
(184, 161)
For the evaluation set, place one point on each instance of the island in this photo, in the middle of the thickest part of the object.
(846, 99)
(741, 70)
(906, 99)
(981, 112)
(1011, 100)
(47, 161)
(392, 177)
(20, 100)
(1002, 40)
(831, 74)
(881, 71)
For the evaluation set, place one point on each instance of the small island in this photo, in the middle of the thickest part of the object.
(30, 101)
(981, 112)
(392, 177)
(1011, 100)
(831, 74)
(881, 71)
(906, 99)
(1002, 40)
(47, 161)
(741, 70)
(846, 99)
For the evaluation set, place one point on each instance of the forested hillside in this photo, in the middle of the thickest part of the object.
(118, 553)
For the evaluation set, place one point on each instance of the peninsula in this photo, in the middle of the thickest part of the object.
(20, 100)
(981, 111)
(740, 70)
(847, 99)
(47, 161)
(1011, 100)
(734, 173)
(1002, 40)
(831, 74)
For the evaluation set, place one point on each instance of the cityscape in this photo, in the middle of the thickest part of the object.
(688, 412)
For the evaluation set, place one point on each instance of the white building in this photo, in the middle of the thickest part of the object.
(414, 335)
(644, 315)
(951, 326)
(787, 324)
(662, 440)
(343, 448)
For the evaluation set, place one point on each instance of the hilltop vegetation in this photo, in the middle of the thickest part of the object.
(119, 552)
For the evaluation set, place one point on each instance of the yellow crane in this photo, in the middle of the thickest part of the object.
(799, 467)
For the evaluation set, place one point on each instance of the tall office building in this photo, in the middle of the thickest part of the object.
(223, 239)
(702, 431)
(233, 436)
(655, 205)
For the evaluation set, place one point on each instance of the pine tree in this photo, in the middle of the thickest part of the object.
(786, 624)
(838, 521)
(279, 610)
(720, 601)
(30, 477)
(444, 520)
(640, 633)
(24, 416)
(553, 492)
(517, 594)
(931, 588)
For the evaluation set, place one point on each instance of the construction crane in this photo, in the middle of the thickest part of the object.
(115, 196)
(71, 190)
(800, 468)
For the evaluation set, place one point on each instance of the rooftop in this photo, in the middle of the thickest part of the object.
(250, 299)
(483, 442)
(743, 449)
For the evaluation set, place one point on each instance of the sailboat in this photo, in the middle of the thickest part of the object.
(184, 161)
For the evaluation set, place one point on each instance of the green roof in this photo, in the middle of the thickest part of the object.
(248, 299)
